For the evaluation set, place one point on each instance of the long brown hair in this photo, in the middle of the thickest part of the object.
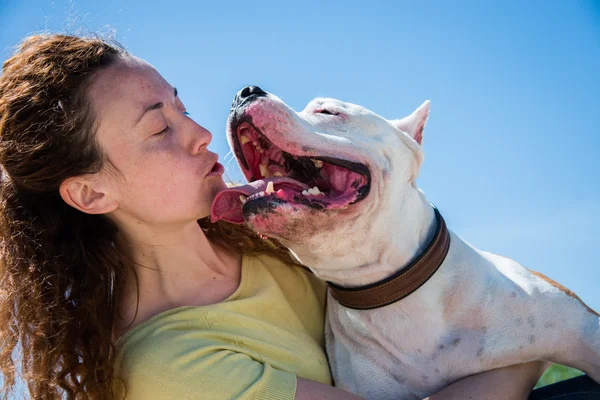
(61, 272)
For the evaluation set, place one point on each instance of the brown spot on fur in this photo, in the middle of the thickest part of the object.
(455, 342)
(513, 295)
(549, 325)
(480, 352)
(531, 321)
(564, 290)
(531, 339)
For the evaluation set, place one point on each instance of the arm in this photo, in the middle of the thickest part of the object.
(311, 390)
(508, 383)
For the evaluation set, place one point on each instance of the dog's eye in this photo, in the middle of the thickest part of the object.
(326, 112)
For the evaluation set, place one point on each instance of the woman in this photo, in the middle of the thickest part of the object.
(110, 285)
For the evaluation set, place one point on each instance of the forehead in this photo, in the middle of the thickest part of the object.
(128, 84)
(329, 102)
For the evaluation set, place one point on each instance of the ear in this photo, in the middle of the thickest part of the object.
(87, 194)
(414, 124)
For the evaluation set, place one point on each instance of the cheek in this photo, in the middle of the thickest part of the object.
(159, 181)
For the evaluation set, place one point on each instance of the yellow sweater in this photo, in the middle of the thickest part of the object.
(250, 346)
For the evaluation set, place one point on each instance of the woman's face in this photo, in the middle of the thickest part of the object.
(166, 174)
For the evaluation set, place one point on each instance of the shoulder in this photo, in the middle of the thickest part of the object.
(303, 291)
(300, 286)
(289, 274)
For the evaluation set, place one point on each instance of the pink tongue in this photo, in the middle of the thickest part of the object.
(227, 205)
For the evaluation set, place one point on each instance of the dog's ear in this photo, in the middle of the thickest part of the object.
(414, 124)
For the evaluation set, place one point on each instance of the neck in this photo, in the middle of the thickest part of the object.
(176, 266)
(414, 226)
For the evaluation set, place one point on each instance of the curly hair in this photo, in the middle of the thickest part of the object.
(61, 271)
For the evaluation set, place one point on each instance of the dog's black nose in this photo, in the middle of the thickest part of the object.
(251, 90)
(247, 93)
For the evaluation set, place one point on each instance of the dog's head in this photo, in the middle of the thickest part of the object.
(323, 180)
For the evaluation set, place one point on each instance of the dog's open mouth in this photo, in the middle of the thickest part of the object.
(278, 177)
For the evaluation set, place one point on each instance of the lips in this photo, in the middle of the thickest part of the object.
(216, 170)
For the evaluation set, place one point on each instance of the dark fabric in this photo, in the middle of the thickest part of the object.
(404, 282)
(579, 388)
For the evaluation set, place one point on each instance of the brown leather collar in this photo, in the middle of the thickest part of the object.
(404, 282)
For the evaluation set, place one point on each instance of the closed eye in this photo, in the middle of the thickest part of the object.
(326, 112)
(167, 128)
(162, 132)
(179, 102)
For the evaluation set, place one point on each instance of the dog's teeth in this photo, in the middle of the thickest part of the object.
(270, 188)
(318, 163)
(314, 191)
(277, 173)
(243, 198)
(244, 139)
(257, 147)
(264, 171)
(256, 196)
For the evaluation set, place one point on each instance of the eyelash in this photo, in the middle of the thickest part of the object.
(162, 132)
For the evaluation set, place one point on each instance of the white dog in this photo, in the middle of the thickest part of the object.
(422, 308)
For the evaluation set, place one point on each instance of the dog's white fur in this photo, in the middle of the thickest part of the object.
(478, 312)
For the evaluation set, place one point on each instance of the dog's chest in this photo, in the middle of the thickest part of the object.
(390, 351)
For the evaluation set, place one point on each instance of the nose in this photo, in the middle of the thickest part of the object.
(248, 93)
(199, 139)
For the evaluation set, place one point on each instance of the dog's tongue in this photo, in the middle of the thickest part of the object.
(227, 205)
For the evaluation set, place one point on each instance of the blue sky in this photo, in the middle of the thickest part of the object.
(512, 141)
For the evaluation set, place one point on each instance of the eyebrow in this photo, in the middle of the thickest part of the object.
(156, 106)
